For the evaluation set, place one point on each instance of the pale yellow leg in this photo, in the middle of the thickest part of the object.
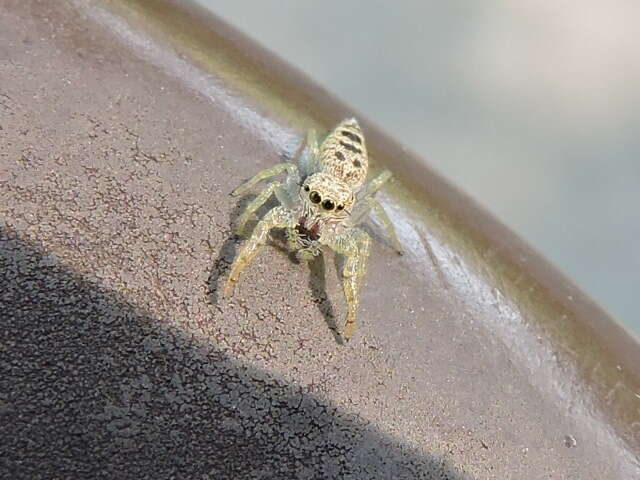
(264, 174)
(254, 206)
(376, 184)
(386, 223)
(366, 203)
(312, 143)
(355, 246)
(278, 217)
(311, 164)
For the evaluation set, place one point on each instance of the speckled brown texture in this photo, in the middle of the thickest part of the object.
(120, 141)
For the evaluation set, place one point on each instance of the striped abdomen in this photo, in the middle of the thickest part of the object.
(343, 154)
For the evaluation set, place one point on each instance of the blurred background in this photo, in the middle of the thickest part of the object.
(532, 107)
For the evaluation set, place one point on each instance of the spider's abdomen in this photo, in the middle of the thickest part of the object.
(343, 154)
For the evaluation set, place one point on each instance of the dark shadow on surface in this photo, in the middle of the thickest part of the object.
(221, 265)
(92, 387)
(317, 285)
(226, 253)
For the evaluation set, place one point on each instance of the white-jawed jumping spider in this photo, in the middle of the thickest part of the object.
(322, 202)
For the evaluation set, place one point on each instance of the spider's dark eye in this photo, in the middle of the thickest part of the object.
(339, 207)
(315, 197)
(306, 188)
(328, 204)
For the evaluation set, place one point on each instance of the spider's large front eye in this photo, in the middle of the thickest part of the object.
(328, 204)
(315, 197)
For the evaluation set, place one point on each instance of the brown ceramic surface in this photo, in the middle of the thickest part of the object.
(123, 127)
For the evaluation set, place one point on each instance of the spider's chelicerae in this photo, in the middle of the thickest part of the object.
(322, 203)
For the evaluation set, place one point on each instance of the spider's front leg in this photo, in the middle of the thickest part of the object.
(250, 210)
(278, 217)
(355, 246)
(281, 192)
(291, 169)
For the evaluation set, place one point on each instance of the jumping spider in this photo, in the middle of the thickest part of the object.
(322, 203)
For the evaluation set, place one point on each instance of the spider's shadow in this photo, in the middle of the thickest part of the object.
(227, 252)
(317, 274)
(317, 282)
(317, 285)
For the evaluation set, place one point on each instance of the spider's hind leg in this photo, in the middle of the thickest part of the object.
(367, 202)
(309, 163)
(374, 205)
(312, 143)
(376, 184)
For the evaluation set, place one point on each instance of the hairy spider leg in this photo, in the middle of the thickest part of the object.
(374, 205)
(254, 205)
(278, 217)
(355, 246)
(367, 203)
(314, 152)
(376, 184)
(291, 168)
(284, 197)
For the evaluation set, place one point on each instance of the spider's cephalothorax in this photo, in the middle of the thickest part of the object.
(325, 206)
(322, 204)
